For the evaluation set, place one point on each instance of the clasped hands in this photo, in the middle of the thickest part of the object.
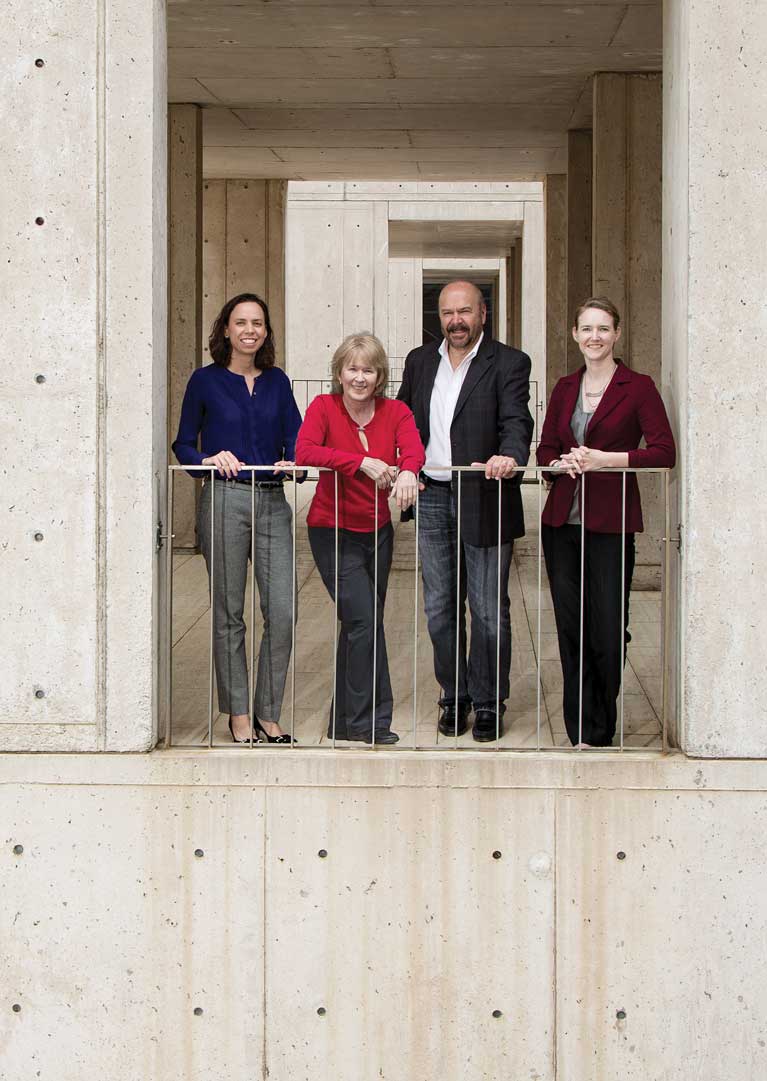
(403, 484)
(579, 460)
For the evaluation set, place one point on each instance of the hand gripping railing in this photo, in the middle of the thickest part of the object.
(458, 473)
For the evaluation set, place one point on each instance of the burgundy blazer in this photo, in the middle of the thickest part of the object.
(630, 409)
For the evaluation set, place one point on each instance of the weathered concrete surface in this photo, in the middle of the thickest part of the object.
(184, 284)
(555, 211)
(579, 255)
(408, 933)
(83, 176)
(715, 239)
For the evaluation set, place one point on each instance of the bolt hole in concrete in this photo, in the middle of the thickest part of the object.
(39, 693)
(39, 221)
(621, 855)
(18, 849)
(16, 1008)
(321, 1011)
(39, 378)
(497, 855)
(198, 1011)
(199, 853)
(497, 1013)
(621, 1015)
(322, 853)
(39, 537)
(39, 63)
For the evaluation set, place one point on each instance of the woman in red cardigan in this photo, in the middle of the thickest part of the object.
(373, 445)
(596, 419)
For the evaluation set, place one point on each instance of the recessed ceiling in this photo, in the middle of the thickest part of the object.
(378, 90)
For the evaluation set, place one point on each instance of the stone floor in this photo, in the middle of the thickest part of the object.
(534, 710)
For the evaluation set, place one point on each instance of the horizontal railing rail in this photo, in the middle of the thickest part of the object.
(540, 477)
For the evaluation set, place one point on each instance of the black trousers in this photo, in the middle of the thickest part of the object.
(359, 614)
(605, 627)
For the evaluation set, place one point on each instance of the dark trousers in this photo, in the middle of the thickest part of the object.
(439, 553)
(359, 614)
(605, 627)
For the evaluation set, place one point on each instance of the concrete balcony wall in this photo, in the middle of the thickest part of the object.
(443, 917)
(83, 174)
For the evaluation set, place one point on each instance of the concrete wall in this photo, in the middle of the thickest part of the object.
(342, 276)
(557, 331)
(83, 174)
(172, 916)
(714, 338)
(244, 250)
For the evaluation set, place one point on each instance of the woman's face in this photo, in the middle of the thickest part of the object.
(358, 379)
(246, 329)
(596, 335)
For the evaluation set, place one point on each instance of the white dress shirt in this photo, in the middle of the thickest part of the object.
(444, 396)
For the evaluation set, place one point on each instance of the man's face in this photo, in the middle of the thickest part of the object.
(461, 314)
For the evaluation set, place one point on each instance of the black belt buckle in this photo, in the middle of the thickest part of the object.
(431, 482)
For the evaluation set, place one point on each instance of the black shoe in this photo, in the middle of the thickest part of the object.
(446, 722)
(486, 725)
(262, 733)
(384, 737)
(246, 739)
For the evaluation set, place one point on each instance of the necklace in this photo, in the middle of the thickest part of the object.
(602, 389)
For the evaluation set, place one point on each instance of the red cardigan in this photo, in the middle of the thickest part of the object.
(631, 409)
(329, 437)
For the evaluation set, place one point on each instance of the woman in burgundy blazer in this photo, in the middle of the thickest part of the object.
(596, 419)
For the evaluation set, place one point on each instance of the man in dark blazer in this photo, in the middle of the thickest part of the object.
(469, 396)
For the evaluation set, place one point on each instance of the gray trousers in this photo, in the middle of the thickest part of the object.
(227, 572)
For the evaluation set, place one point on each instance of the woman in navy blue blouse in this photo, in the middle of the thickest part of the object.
(241, 411)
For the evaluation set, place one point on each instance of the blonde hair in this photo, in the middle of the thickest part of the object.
(364, 346)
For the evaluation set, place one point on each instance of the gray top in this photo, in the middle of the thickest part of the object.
(579, 422)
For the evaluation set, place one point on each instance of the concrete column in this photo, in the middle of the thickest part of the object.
(579, 197)
(83, 173)
(555, 209)
(184, 286)
(714, 341)
(533, 289)
(626, 236)
(626, 222)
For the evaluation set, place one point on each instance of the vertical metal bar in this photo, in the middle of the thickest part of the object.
(538, 647)
(666, 611)
(252, 691)
(415, 626)
(335, 624)
(212, 598)
(169, 613)
(457, 604)
(498, 629)
(293, 625)
(580, 636)
(375, 610)
(623, 598)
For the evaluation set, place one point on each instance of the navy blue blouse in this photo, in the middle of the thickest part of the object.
(219, 411)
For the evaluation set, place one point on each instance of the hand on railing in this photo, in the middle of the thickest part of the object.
(583, 459)
(379, 471)
(228, 464)
(499, 467)
(405, 489)
(288, 468)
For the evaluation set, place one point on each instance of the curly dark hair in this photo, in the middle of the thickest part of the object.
(219, 345)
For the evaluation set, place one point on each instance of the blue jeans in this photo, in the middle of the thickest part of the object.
(438, 549)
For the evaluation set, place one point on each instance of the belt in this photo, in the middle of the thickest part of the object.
(431, 482)
(233, 482)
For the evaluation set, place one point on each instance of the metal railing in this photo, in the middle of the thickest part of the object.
(459, 472)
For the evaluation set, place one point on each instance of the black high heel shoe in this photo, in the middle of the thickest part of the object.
(246, 740)
(284, 738)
